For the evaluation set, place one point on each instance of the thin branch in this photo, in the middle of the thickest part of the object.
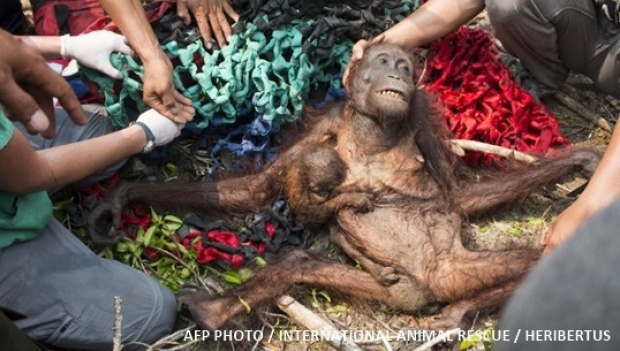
(118, 320)
(306, 318)
(473, 145)
(582, 111)
(442, 337)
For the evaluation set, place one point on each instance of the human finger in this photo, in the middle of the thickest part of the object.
(203, 26)
(50, 84)
(182, 99)
(183, 12)
(46, 104)
(21, 107)
(186, 112)
(230, 12)
(215, 19)
(358, 49)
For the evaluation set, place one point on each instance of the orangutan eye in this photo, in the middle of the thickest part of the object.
(405, 69)
(383, 61)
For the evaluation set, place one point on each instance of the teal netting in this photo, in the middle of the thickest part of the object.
(268, 71)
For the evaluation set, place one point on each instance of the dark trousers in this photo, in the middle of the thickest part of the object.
(574, 291)
(554, 37)
(13, 338)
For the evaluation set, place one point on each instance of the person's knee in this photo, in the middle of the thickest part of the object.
(505, 12)
(162, 323)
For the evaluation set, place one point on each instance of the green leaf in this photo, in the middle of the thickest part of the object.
(185, 273)
(245, 304)
(516, 230)
(337, 309)
(140, 236)
(245, 274)
(149, 235)
(232, 277)
(173, 219)
(171, 227)
(325, 295)
(121, 247)
(156, 219)
(534, 220)
(260, 262)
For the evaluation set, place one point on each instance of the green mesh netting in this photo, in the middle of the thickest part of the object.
(269, 70)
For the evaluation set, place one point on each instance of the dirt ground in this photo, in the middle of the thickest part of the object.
(524, 225)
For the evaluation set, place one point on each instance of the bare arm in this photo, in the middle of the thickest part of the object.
(432, 21)
(25, 171)
(46, 46)
(130, 17)
(603, 189)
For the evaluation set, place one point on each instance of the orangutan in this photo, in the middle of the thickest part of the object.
(378, 171)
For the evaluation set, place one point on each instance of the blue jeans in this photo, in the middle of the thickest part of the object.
(66, 291)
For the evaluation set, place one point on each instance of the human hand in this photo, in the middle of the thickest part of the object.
(565, 225)
(93, 50)
(29, 86)
(211, 18)
(356, 55)
(163, 129)
(160, 93)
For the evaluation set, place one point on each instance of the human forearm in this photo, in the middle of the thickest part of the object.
(433, 20)
(26, 171)
(604, 186)
(46, 46)
(130, 18)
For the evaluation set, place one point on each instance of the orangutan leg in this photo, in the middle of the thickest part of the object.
(456, 314)
(297, 267)
(467, 274)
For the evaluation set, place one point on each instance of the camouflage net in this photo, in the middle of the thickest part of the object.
(281, 50)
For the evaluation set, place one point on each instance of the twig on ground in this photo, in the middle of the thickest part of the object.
(439, 338)
(473, 145)
(582, 111)
(306, 318)
(258, 341)
(387, 345)
(171, 339)
(118, 320)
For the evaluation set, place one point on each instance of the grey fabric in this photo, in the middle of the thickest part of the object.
(67, 133)
(552, 38)
(67, 294)
(575, 288)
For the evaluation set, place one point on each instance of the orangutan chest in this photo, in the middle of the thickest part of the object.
(392, 171)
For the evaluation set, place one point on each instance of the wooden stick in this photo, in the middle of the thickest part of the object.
(582, 111)
(118, 320)
(472, 145)
(306, 318)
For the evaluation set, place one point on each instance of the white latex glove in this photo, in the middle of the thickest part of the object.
(163, 129)
(93, 50)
